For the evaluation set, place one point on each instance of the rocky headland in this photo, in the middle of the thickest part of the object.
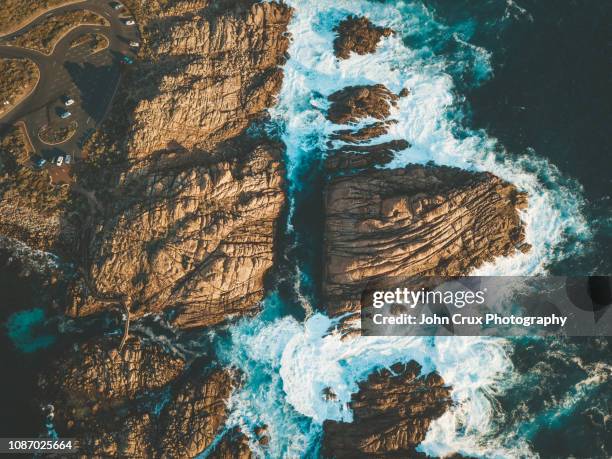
(176, 212)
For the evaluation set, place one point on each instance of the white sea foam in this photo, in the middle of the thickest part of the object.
(287, 364)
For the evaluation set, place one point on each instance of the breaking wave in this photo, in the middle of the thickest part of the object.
(287, 363)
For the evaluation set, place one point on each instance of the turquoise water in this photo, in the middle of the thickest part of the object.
(25, 329)
(444, 61)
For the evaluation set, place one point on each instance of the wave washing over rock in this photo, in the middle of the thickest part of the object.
(298, 375)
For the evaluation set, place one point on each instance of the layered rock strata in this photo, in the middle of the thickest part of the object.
(392, 412)
(383, 225)
(198, 238)
(353, 103)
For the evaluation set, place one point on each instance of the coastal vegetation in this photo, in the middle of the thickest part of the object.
(93, 41)
(17, 78)
(48, 33)
(15, 13)
(21, 185)
(57, 134)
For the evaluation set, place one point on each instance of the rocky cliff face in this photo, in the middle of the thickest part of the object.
(192, 420)
(392, 412)
(134, 402)
(197, 238)
(192, 227)
(217, 69)
(187, 224)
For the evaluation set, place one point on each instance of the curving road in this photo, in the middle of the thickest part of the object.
(90, 79)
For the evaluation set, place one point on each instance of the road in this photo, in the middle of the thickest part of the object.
(90, 79)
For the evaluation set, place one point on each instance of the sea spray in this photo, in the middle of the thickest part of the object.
(287, 364)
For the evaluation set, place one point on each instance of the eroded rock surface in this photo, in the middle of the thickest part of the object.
(192, 420)
(392, 411)
(93, 394)
(217, 68)
(198, 238)
(415, 221)
(138, 402)
(353, 103)
(233, 445)
(192, 225)
(358, 35)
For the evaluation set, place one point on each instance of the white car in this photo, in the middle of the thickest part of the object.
(60, 160)
(134, 44)
(65, 114)
(68, 159)
(129, 22)
(68, 101)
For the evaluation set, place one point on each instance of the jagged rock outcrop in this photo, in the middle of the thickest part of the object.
(363, 156)
(100, 395)
(233, 445)
(358, 35)
(217, 67)
(197, 238)
(391, 224)
(392, 412)
(192, 420)
(137, 402)
(192, 226)
(364, 134)
(353, 103)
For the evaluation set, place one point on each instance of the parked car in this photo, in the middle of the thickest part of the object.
(134, 44)
(127, 60)
(60, 160)
(128, 21)
(116, 5)
(68, 159)
(68, 101)
(40, 162)
(65, 114)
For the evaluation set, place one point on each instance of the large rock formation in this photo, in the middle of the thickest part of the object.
(135, 402)
(391, 224)
(99, 395)
(392, 412)
(198, 238)
(217, 68)
(358, 35)
(383, 226)
(192, 225)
